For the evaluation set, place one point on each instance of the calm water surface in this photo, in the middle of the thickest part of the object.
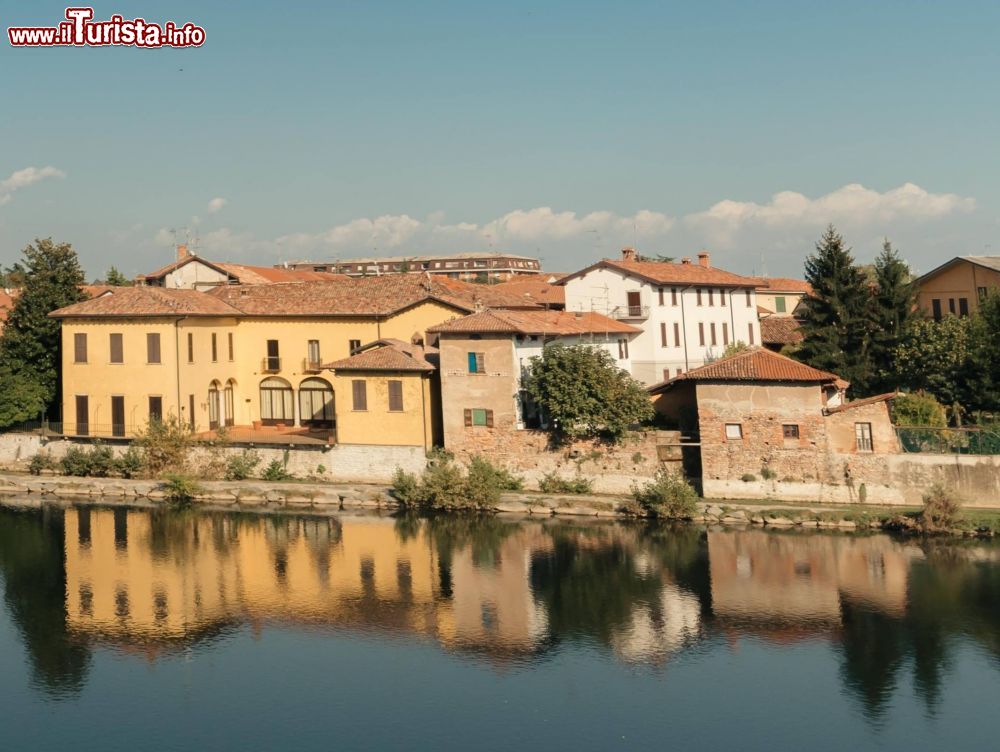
(130, 629)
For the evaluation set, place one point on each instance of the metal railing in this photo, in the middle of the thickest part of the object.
(630, 312)
(966, 440)
(270, 364)
(312, 365)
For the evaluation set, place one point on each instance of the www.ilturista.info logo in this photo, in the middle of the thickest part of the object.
(80, 30)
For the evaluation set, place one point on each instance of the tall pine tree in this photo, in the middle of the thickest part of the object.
(30, 345)
(893, 308)
(836, 320)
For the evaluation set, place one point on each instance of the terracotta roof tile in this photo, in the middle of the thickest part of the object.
(669, 274)
(142, 301)
(755, 364)
(862, 402)
(535, 322)
(385, 357)
(538, 289)
(265, 275)
(780, 330)
(783, 284)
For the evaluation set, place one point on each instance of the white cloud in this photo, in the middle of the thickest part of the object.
(545, 224)
(216, 204)
(23, 178)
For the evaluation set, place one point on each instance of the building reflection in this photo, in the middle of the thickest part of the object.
(153, 581)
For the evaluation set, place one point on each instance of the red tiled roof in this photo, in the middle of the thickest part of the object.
(143, 301)
(755, 364)
(663, 273)
(535, 322)
(386, 357)
(862, 402)
(174, 265)
(265, 275)
(783, 284)
(780, 330)
(537, 289)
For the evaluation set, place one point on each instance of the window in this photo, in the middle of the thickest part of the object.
(79, 348)
(680, 371)
(353, 345)
(750, 333)
(312, 353)
(734, 431)
(622, 349)
(701, 334)
(863, 436)
(230, 338)
(395, 396)
(229, 403)
(272, 362)
(634, 301)
(663, 334)
(725, 333)
(190, 339)
(152, 348)
(749, 303)
(191, 411)
(779, 304)
(936, 306)
(677, 335)
(117, 416)
(673, 296)
(316, 403)
(82, 415)
(478, 416)
(477, 362)
(359, 393)
(722, 298)
(116, 348)
(951, 306)
(276, 402)
(711, 298)
(155, 408)
(213, 405)
(963, 307)
(215, 348)
(981, 292)
(697, 293)
(712, 331)
(790, 431)
(666, 374)
(659, 292)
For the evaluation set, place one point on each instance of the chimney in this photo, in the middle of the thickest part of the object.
(686, 260)
(628, 254)
(703, 260)
(182, 252)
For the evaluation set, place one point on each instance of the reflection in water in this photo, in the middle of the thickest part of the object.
(509, 592)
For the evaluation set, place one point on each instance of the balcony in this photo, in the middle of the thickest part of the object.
(635, 313)
(271, 364)
(312, 365)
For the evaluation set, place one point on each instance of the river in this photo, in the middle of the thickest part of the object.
(128, 629)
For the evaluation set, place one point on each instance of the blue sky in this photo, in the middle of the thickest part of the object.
(562, 129)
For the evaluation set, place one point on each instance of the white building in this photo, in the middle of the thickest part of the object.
(688, 312)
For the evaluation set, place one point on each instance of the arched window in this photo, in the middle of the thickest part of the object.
(277, 403)
(213, 405)
(316, 403)
(230, 403)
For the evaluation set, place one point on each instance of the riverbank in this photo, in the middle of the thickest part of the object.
(333, 497)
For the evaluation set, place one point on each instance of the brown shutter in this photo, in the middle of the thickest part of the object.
(489, 419)
(230, 345)
(80, 348)
(712, 329)
(396, 396)
(190, 347)
(215, 348)
(117, 351)
(152, 348)
(663, 334)
(360, 394)
(725, 333)
(701, 334)
(722, 298)
(677, 335)
(480, 362)
(468, 418)
(660, 291)
(750, 329)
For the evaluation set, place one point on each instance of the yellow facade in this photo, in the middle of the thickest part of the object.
(208, 391)
(414, 425)
(961, 281)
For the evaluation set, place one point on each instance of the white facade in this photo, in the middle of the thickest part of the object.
(683, 325)
(194, 275)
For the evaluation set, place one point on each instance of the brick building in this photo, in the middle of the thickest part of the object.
(761, 414)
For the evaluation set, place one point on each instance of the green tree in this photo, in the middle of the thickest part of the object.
(584, 393)
(936, 357)
(836, 317)
(116, 279)
(892, 309)
(984, 357)
(30, 345)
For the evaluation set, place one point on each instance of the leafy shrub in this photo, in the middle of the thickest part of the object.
(41, 461)
(132, 463)
(101, 461)
(941, 512)
(406, 487)
(494, 475)
(862, 493)
(748, 477)
(637, 458)
(241, 466)
(180, 489)
(276, 471)
(668, 496)
(443, 485)
(76, 462)
(920, 410)
(553, 484)
(767, 473)
(165, 444)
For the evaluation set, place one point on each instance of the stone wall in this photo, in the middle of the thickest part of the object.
(346, 462)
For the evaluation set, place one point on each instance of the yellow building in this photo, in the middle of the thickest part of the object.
(246, 355)
(958, 286)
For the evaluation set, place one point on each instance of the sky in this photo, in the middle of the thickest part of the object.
(563, 130)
